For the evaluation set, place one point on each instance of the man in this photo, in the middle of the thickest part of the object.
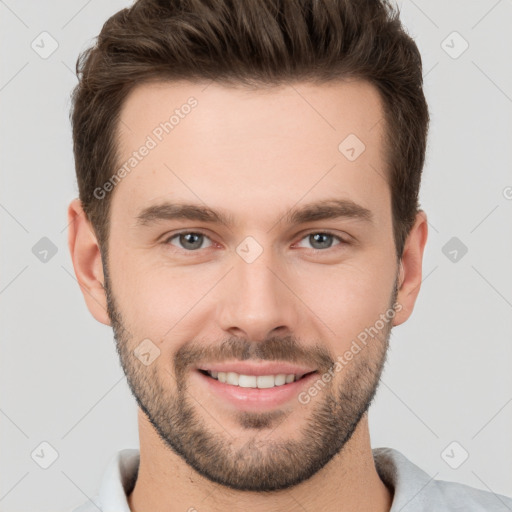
(248, 224)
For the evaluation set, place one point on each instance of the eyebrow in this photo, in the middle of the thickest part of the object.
(321, 210)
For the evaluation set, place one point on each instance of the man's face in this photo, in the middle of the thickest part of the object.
(269, 288)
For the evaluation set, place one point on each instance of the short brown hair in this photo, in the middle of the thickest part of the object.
(252, 43)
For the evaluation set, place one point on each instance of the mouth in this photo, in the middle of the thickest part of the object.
(255, 381)
(251, 387)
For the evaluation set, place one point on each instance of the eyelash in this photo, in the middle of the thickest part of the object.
(199, 232)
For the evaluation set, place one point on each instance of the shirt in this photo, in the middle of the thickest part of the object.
(414, 489)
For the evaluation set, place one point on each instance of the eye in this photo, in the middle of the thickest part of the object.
(192, 241)
(189, 240)
(321, 240)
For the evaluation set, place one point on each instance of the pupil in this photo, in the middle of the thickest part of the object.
(316, 236)
(195, 244)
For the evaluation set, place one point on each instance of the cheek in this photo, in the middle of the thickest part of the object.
(348, 299)
(157, 301)
(165, 303)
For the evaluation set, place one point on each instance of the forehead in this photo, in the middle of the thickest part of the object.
(235, 112)
(212, 143)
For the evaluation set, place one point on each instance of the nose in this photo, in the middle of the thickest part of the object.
(257, 299)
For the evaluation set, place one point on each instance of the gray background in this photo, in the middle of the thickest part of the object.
(448, 375)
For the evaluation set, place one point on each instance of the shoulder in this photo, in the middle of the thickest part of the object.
(415, 490)
(117, 482)
(463, 497)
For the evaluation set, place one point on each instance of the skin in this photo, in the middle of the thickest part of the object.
(254, 154)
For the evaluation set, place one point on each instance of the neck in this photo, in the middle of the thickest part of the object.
(348, 482)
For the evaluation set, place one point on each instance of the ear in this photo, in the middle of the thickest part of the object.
(86, 256)
(409, 280)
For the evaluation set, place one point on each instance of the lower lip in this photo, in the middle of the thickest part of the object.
(253, 399)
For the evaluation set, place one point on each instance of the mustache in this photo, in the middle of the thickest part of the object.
(283, 349)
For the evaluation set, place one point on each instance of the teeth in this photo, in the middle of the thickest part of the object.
(266, 381)
(247, 381)
(253, 381)
(232, 378)
(280, 379)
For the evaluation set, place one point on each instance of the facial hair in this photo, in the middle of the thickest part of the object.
(262, 464)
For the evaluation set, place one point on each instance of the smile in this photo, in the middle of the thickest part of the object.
(254, 381)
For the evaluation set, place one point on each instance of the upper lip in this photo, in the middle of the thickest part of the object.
(251, 368)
